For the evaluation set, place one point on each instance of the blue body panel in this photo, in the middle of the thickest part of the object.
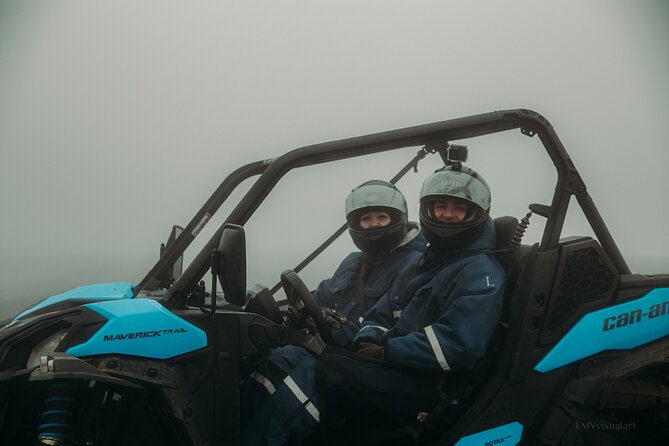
(140, 327)
(624, 326)
(507, 435)
(101, 291)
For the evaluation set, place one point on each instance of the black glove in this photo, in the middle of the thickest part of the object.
(295, 317)
(371, 350)
(335, 318)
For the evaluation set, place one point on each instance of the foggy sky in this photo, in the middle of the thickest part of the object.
(119, 119)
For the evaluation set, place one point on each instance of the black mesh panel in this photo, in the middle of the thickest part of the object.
(585, 278)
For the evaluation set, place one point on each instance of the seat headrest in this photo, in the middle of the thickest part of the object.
(505, 227)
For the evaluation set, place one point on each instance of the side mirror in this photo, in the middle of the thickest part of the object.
(231, 268)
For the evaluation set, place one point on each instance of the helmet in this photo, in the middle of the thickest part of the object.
(379, 196)
(454, 181)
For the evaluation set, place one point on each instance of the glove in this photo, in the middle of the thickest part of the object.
(368, 334)
(334, 318)
(371, 351)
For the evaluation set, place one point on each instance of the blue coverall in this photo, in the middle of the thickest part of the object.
(439, 315)
(360, 281)
(354, 288)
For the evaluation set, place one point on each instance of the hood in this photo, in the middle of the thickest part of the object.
(98, 291)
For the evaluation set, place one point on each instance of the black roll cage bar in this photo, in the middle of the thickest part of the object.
(569, 183)
(175, 249)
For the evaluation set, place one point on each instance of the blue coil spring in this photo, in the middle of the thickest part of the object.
(55, 426)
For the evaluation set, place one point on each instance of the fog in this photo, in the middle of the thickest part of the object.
(119, 119)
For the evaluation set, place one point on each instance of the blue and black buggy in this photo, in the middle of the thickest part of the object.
(580, 357)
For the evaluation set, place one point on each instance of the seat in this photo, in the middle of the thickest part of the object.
(463, 386)
(510, 261)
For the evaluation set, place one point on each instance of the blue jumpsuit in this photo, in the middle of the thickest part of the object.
(355, 287)
(439, 315)
(359, 283)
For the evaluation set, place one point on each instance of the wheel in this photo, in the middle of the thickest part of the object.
(300, 297)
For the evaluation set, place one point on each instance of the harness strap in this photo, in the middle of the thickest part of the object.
(359, 298)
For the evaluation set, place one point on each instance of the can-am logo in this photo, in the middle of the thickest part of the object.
(635, 316)
(143, 334)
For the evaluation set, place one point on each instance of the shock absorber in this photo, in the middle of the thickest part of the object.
(54, 429)
(520, 231)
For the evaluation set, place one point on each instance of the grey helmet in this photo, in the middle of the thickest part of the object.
(454, 181)
(379, 196)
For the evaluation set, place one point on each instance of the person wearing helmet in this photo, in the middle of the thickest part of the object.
(378, 223)
(439, 316)
(465, 281)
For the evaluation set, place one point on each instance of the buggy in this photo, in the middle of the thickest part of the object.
(581, 354)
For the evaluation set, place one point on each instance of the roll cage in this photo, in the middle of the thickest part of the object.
(530, 123)
(552, 287)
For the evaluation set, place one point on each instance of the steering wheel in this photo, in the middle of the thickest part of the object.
(300, 297)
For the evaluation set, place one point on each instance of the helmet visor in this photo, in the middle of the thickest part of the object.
(455, 184)
(375, 194)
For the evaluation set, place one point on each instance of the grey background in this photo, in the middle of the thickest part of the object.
(118, 119)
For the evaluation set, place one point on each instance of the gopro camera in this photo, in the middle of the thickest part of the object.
(457, 153)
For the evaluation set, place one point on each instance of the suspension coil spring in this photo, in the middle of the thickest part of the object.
(55, 420)
(520, 231)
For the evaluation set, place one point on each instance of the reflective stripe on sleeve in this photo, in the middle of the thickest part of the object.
(266, 383)
(436, 348)
(376, 327)
(292, 385)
